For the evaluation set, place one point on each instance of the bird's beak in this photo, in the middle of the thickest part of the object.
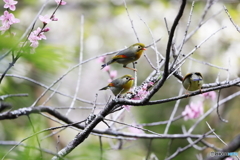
(144, 49)
(132, 78)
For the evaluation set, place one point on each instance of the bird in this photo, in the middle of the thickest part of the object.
(127, 55)
(120, 85)
(193, 81)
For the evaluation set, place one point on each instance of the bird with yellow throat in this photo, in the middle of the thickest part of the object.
(128, 55)
(120, 85)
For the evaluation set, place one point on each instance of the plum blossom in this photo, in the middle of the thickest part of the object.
(45, 19)
(53, 18)
(113, 74)
(60, 2)
(7, 20)
(101, 59)
(35, 36)
(141, 92)
(135, 130)
(193, 111)
(211, 95)
(127, 107)
(10, 4)
(46, 29)
(107, 68)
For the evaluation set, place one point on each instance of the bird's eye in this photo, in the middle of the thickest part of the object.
(139, 47)
(127, 78)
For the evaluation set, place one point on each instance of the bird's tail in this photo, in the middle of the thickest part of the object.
(104, 88)
(106, 64)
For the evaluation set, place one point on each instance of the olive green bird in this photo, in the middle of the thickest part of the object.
(120, 85)
(127, 56)
(193, 81)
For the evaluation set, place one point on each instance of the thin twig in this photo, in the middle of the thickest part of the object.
(201, 21)
(219, 116)
(131, 21)
(161, 122)
(149, 149)
(198, 46)
(12, 143)
(101, 148)
(229, 16)
(80, 67)
(51, 95)
(13, 95)
(51, 89)
(34, 131)
(154, 44)
(215, 133)
(173, 112)
(179, 150)
(212, 109)
(208, 64)
(185, 35)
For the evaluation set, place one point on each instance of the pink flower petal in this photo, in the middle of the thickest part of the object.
(107, 68)
(211, 95)
(193, 111)
(45, 19)
(10, 4)
(60, 2)
(113, 74)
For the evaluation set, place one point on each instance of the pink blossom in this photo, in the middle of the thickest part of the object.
(7, 20)
(35, 36)
(136, 130)
(60, 2)
(140, 94)
(53, 18)
(145, 86)
(45, 19)
(107, 68)
(150, 83)
(46, 29)
(229, 158)
(113, 74)
(193, 111)
(5, 27)
(211, 95)
(127, 107)
(10, 4)
(101, 59)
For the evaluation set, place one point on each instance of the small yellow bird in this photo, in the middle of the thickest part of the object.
(127, 56)
(120, 85)
(193, 81)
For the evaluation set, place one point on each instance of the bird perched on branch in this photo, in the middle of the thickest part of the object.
(127, 56)
(193, 81)
(120, 85)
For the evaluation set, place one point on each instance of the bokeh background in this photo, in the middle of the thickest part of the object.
(107, 28)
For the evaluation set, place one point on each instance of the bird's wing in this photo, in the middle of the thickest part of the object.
(119, 57)
(115, 83)
(123, 54)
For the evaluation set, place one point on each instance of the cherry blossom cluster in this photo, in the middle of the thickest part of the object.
(141, 91)
(38, 34)
(112, 74)
(195, 110)
(7, 18)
